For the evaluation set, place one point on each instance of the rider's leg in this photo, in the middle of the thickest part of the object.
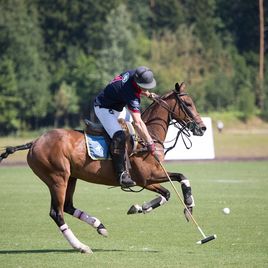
(125, 114)
(118, 146)
(109, 120)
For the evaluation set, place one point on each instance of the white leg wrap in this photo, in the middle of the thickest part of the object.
(193, 203)
(70, 237)
(159, 201)
(73, 241)
(83, 216)
(186, 182)
(163, 200)
(93, 221)
(144, 211)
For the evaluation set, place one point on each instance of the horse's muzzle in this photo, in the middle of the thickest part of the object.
(197, 129)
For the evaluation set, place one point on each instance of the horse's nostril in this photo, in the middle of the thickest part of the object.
(204, 128)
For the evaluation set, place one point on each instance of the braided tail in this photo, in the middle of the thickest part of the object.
(13, 149)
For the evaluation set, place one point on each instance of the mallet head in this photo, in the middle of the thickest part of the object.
(207, 239)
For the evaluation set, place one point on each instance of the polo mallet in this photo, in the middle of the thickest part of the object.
(205, 238)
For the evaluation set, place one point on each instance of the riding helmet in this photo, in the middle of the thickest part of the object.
(144, 77)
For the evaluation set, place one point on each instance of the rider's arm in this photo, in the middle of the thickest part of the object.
(141, 127)
(148, 94)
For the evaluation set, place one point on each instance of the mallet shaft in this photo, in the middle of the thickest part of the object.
(178, 195)
(206, 239)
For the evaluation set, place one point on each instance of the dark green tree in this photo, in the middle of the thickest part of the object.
(202, 14)
(74, 23)
(241, 19)
(8, 100)
(142, 15)
(23, 46)
(121, 43)
(167, 15)
(86, 77)
(65, 104)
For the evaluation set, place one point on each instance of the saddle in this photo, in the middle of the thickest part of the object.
(95, 129)
(98, 141)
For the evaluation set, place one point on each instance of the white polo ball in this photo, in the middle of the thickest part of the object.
(226, 211)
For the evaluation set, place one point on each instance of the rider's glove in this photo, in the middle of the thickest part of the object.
(153, 96)
(151, 147)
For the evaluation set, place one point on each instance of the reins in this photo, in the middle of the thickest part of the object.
(185, 134)
(181, 126)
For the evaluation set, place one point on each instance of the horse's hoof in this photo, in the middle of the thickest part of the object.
(85, 249)
(103, 232)
(135, 209)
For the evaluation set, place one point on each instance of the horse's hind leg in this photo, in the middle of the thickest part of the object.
(153, 204)
(79, 214)
(58, 191)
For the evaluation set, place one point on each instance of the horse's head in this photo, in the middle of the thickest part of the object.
(186, 111)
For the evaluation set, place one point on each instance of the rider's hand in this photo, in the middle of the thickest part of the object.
(151, 147)
(152, 96)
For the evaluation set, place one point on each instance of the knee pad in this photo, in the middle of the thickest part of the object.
(118, 142)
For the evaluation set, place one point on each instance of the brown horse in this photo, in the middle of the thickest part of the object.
(59, 157)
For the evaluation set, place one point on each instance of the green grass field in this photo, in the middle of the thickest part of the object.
(162, 238)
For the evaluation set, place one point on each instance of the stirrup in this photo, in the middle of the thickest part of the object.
(125, 180)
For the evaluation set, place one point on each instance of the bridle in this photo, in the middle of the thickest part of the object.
(182, 126)
(179, 101)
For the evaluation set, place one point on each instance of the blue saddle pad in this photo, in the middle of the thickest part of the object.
(97, 147)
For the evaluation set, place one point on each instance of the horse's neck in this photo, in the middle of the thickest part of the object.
(157, 120)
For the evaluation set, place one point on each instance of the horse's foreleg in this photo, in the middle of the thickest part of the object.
(185, 187)
(79, 214)
(56, 213)
(186, 190)
(155, 203)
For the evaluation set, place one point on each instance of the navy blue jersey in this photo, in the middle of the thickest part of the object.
(120, 92)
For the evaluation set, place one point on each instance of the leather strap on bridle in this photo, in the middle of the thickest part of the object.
(182, 127)
(183, 106)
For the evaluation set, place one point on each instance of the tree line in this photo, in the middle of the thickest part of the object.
(55, 55)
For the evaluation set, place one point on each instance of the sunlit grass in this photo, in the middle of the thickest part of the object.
(162, 238)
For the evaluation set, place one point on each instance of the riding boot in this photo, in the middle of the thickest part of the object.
(118, 158)
(122, 175)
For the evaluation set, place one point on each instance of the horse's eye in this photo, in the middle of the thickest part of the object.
(188, 104)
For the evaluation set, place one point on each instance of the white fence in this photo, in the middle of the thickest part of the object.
(202, 147)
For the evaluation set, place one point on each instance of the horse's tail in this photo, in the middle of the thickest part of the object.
(12, 149)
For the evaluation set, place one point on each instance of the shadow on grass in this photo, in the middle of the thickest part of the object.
(40, 251)
(33, 251)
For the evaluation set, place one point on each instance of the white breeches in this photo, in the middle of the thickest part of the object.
(109, 119)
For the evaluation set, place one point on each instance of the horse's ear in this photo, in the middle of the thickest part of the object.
(180, 87)
(177, 87)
